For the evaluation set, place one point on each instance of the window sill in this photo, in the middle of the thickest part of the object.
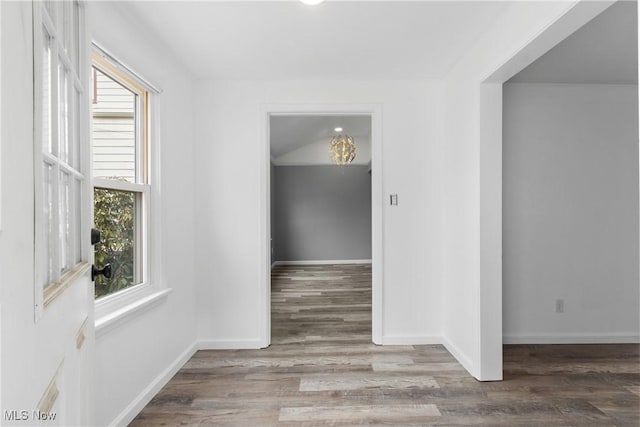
(56, 289)
(116, 317)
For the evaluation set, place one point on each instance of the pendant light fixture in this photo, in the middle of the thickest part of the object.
(342, 149)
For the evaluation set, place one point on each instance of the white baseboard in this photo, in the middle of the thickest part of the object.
(573, 338)
(138, 404)
(410, 339)
(323, 262)
(213, 344)
(460, 356)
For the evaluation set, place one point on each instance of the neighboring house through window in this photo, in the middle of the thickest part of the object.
(120, 163)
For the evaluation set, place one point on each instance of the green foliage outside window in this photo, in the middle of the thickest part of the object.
(114, 216)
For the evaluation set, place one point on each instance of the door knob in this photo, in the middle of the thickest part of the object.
(96, 236)
(105, 271)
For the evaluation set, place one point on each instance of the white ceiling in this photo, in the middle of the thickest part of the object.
(341, 39)
(604, 51)
(334, 40)
(288, 133)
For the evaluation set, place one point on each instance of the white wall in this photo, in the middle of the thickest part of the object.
(472, 304)
(570, 204)
(138, 354)
(229, 173)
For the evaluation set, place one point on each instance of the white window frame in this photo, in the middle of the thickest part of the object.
(56, 20)
(112, 308)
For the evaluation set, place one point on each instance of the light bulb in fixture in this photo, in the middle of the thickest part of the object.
(312, 2)
(338, 129)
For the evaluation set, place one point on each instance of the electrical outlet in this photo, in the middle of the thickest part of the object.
(559, 306)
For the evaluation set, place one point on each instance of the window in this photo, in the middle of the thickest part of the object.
(120, 161)
(59, 166)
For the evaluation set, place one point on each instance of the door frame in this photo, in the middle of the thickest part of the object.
(377, 204)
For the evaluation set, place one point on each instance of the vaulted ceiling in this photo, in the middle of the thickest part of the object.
(288, 133)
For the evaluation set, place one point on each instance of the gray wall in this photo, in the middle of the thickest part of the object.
(570, 206)
(321, 213)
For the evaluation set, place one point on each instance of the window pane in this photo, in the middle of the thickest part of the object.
(77, 224)
(47, 207)
(115, 216)
(63, 114)
(67, 29)
(47, 141)
(65, 223)
(114, 130)
(76, 160)
(50, 7)
(76, 34)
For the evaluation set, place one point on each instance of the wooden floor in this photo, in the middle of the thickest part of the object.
(322, 370)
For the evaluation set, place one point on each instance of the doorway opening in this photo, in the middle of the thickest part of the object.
(568, 247)
(321, 229)
(489, 363)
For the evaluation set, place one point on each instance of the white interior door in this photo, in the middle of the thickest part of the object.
(63, 291)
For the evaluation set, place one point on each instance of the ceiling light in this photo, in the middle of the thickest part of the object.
(312, 2)
(342, 149)
(338, 129)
